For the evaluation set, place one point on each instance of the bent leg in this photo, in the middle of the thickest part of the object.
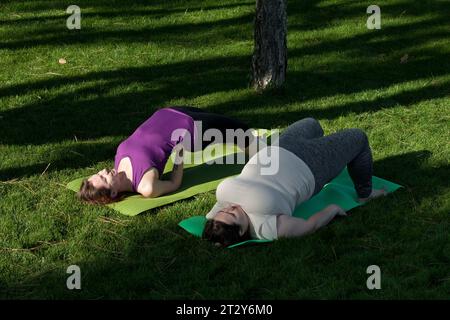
(328, 156)
(220, 122)
(308, 128)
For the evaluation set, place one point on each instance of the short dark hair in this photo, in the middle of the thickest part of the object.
(224, 234)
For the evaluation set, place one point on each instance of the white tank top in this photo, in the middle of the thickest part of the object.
(264, 196)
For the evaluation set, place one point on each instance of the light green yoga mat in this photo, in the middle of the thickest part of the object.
(340, 191)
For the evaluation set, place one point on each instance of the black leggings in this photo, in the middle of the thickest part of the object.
(211, 120)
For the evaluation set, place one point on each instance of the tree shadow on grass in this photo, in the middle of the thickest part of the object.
(305, 14)
(284, 117)
(107, 10)
(77, 156)
(61, 118)
(92, 111)
(388, 39)
(310, 15)
(87, 154)
(186, 33)
(164, 262)
(96, 109)
(182, 5)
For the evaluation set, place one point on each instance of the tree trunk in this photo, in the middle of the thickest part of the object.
(269, 60)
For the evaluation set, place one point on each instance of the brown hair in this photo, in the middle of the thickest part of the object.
(224, 234)
(91, 194)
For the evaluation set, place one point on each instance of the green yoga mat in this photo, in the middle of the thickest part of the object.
(339, 191)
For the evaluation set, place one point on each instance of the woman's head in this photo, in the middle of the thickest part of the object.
(229, 226)
(100, 188)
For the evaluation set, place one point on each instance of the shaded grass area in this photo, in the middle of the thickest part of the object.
(59, 122)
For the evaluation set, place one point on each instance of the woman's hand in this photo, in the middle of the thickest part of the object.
(178, 154)
(338, 210)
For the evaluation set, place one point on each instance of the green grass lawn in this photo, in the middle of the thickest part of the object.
(60, 122)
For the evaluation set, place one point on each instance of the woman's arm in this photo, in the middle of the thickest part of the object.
(288, 226)
(160, 187)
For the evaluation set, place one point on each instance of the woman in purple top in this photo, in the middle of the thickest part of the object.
(141, 158)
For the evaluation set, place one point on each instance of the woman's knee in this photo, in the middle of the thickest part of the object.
(361, 135)
(311, 120)
(314, 123)
(310, 124)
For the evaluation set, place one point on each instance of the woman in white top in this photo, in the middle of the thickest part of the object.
(260, 206)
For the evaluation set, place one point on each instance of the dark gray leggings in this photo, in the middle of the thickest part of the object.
(327, 156)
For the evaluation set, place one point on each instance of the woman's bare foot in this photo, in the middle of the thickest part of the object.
(374, 194)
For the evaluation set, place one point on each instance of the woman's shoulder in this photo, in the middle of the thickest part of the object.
(147, 181)
(263, 226)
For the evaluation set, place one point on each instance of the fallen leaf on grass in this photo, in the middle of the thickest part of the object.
(404, 59)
